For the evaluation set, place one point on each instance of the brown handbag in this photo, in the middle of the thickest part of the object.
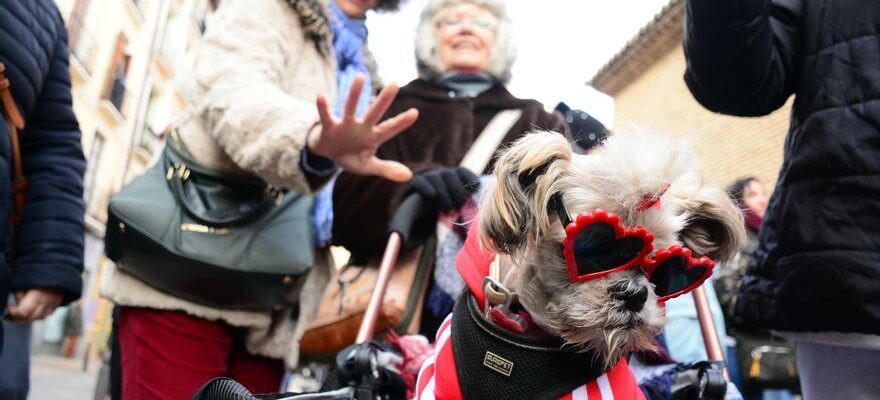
(14, 124)
(345, 301)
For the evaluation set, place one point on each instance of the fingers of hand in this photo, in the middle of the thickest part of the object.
(12, 313)
(444, 197)
(379, 106)
(422, 186)
(457, 189)
(35, 304)
(469, 180)
(354, 93)
(23, 311)
(54, 299)
(391, 170)
(40, 312)
(324, 112)
(394, 125)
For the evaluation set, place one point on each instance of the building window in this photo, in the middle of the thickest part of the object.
(75, 22)
(82, 43)
(94, 163)
(114, 87)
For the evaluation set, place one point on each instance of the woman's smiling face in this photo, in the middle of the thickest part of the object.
(465, 37)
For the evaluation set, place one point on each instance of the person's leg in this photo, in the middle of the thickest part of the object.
(732, 364)
(838, 372)
(169, 354)
(115, 358)
(15, 361)
(258, 374)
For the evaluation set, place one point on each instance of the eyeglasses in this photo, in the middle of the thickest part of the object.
(457, 21)
(596, 244)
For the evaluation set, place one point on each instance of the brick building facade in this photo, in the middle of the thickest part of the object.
(646, 81)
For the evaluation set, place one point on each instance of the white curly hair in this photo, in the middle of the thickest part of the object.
(503, 52)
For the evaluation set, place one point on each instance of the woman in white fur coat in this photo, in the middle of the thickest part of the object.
(257, 75)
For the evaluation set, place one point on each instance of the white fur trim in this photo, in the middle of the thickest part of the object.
(253, 91)
(126, 290)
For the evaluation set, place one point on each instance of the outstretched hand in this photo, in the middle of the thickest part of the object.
(351, 142)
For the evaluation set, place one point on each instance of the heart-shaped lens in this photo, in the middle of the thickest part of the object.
(596, 244)
(673, 272)
(596, 249)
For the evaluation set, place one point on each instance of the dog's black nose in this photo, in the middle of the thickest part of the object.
(634, 299)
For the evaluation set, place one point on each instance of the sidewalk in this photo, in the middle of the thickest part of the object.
(58, 378)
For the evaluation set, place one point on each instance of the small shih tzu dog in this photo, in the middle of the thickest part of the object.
(568, 266)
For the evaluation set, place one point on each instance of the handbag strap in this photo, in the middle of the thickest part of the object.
(181, 154)
(173, 135)
(482, 150)
(14, 124)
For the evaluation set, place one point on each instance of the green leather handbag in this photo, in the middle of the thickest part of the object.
(220, 240)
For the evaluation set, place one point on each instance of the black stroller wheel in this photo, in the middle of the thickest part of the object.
(228, 389)
(712, 383)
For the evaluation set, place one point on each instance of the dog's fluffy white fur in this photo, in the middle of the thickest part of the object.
(516, 222)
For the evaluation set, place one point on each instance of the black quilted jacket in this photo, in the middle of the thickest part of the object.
(817, 267)
(49, 250)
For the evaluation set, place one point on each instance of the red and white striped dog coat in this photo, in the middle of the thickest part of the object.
(474, 360)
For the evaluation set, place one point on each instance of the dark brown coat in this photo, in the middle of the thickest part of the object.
(446, 129)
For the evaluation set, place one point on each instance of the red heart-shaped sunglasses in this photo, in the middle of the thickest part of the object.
(596, 244)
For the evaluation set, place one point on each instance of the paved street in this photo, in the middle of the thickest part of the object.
(58, 378)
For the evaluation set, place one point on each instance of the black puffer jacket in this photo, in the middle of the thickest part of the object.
(817, 267)
(49, 250)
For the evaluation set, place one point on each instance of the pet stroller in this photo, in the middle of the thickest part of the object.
(367, 370)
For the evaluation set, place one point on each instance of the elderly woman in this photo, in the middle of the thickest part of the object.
(257, 75)
(464, 52)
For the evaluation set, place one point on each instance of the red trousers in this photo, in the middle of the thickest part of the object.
(169, 354)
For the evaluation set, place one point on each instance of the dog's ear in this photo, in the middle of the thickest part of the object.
(715, 227)
(524, 173)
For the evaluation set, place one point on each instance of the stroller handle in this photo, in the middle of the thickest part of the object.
(389, 258)
(399, 231)
(710, 332)
(411, 208)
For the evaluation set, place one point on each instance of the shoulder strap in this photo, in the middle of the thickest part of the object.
(9, 109)
(481, 152)
(14, 123)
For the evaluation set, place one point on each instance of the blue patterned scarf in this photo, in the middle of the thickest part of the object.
(349, 37)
